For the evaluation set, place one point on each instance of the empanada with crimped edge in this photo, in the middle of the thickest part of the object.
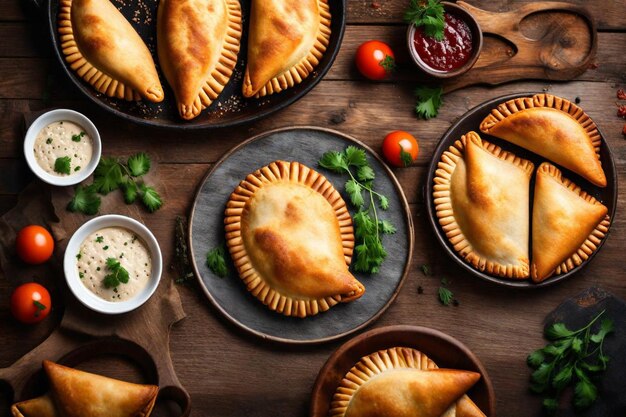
(291, 239)
(198, 42)
(552, 127)
(568, 224)
(78, 393)
(102, 47)
(286, 42)
(403, 382)
(481, 196)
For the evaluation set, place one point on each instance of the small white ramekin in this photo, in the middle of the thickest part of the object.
(90, 299)
(59, 115)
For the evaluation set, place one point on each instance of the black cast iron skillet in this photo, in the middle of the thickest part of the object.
(230, 109)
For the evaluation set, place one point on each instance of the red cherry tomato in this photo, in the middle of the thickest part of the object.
(400, 148)
(375, 60)
(34, 244)
(30, 303)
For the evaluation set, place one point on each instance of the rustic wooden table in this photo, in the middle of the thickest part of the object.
(229, 373)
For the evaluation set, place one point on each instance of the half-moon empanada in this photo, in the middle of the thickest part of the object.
(553, 128)
(104, 50)
(198, 42)
(481, 195)
(403, 382)
(37, 407)
(287, 40)
(291, 238)
(568, 224)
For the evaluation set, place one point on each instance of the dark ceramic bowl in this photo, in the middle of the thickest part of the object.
(477, 43)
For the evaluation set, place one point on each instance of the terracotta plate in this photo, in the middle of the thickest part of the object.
(229, 295)
(231, 108)
(471, 121)
(446, 351)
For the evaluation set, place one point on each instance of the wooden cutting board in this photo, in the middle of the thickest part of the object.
(142, 336)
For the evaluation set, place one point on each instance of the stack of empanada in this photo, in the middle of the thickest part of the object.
(75, 393)
(482, 193)
(403, 382)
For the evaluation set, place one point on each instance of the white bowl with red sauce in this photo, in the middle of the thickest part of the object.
(456, 53)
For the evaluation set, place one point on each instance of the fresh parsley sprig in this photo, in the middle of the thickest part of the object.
(370, 252)
(62, 165)
(428, 101)
(574, 357)
(119, 274)
(428, 14)
(112, 174)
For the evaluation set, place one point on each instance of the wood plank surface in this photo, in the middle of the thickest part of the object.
(229, 373)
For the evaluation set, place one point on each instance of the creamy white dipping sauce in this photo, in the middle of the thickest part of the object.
(123, 246)
(59, 140)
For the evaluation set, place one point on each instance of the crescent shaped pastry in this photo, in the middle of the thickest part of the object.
(198, 42)
(37, 407)
(481, 195)
(291, 238)
(403, 382)
(105, 51)
(553, 128)
(286, 42)
(568, 224)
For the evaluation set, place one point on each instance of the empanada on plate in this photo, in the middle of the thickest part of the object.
(291, 238)
(198, 42)
(481, 196)
(403, 382)
(568, 224)
(287, 40)
(553, 128)
(37, 407)
(105, 51)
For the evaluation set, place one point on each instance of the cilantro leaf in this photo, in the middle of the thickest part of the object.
(365, 173)
(354, 190)
(445, 296)
(585, 392)
(119, 274)
(606, 327)
(428, 101)
(387, 227)
(563, 377)
(333, 161)
(383, 201)
(139, 164)
(355, 156)
(107, 176)
(150, 198)
(216, 261)
(427, 14)
(557, 331)
(130, 192)
(113, 264)
(110, 281)
(62, 165)
(85, 201)
(535, 359)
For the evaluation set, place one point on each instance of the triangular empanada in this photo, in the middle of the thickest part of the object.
(481, 195)
(287, 40)
(104, 50)
(568, 224)
(37, 407)
(79, 394)
(553, 128)
(198, 42)
(291, 238)
(403, 382)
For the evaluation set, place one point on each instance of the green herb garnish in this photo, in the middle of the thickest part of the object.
(574, 357)
(77, 168)
(216, 261)
(112, 174)
(85, 201)
(445, 296)
(99, 239)
(428, 101)
(428, 14)
(39, 306)
(370, 252)
(105, 247)
(48, 141)
(78, 137)
(62, 165)
(79, 255)
(119, 275)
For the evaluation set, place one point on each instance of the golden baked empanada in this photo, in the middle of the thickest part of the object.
(287, 40)
(568, 224)
(481, 195)
(104, 50)
(37, 407)
(198, 42)
(403, 382)
(291, 238)
(553, 128)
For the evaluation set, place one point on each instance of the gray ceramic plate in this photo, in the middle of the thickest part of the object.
(229, 295)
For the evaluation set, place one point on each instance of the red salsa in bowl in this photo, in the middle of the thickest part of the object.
(456, 52)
